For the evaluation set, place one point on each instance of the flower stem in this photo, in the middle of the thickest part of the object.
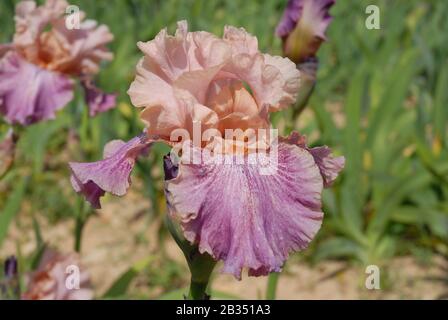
(78, 233)
(271, 291)
(198, 291)
(201, 265)
(82, 214)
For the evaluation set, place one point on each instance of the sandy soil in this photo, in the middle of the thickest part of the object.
(121, 234)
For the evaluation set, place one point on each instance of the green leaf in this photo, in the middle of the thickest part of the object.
(441, 103)
(340, 247)
(11, 208)
(120, 286)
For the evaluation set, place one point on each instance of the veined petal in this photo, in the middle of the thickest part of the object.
(264, 216)
(329, 166)
(30, 94)
(111, 174)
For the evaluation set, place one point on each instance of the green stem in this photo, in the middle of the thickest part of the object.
(198, 291)
(271, 291)
(201, 265)
(78, 233)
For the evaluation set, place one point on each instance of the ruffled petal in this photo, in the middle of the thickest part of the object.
(272, 206)
(240, 40)
(329, 166)
(274, 81)
(171, 56)
(84, 48)
(43, 38)
(228, 76)
(111, 174)
(97, 100)
(30, 94)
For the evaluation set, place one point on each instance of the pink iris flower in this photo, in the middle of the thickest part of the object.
(38, 68)
(232, 211)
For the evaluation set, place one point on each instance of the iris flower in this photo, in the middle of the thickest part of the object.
(37, 70)
(231, 210)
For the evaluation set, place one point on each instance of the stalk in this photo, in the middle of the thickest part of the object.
(201, 265)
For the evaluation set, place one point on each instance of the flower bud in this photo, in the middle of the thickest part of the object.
(302, 27)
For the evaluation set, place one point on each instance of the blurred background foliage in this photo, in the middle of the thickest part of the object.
(381, 100)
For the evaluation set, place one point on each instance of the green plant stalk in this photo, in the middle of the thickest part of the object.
(201, 265)
(79, 226)
(271, 291)
(82, 215)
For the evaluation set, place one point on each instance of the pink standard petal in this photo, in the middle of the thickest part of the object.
(246, 218)
(112, 174)
(30, 94)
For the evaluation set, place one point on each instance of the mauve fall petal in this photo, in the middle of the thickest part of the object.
(29, 93)
(329, 166)
(112, 174)
(97, 100)
(246, 218)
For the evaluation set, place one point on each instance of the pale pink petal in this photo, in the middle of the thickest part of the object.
(172, 55)
(43, 38)
(226, 96)
(274, 80)
(86, 47)
(240, 40)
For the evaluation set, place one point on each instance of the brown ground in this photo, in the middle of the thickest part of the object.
(121, 235)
